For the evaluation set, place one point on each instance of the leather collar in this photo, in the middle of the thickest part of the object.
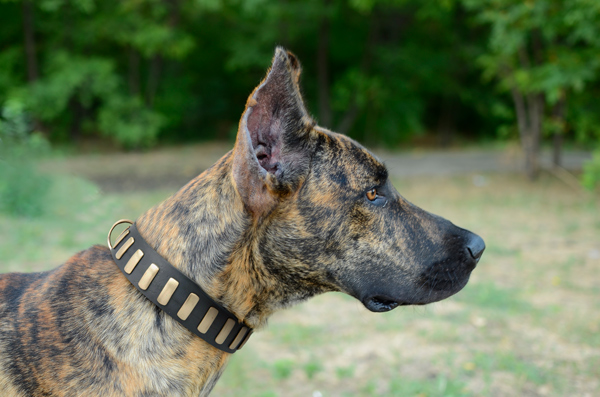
(175, 293)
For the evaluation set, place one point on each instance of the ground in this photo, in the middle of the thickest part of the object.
(527, 324)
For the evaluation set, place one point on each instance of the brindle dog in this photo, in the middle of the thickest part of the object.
(293, 211)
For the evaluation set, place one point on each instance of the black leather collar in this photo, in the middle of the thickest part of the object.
(175, 293)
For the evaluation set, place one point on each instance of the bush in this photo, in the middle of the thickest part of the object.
(591, 172)
(23, 190)
(130, 122)
(93, 83)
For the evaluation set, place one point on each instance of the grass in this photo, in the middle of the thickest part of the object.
(438, 386)
(494, 298)
(528, 322)
(345, 372)
(80, 218)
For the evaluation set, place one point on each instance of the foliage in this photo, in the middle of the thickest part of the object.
(23, 190)
(544, 53)
(182, 69)
(129, 122)
(143, 71)
(591, 172)
(566, 58)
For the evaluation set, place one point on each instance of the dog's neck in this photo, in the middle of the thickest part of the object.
(205, 232)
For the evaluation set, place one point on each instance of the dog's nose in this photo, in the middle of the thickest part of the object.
(475, 246)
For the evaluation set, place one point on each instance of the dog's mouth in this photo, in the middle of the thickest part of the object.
(380, 303)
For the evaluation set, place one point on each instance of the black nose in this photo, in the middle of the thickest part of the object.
(475, 246)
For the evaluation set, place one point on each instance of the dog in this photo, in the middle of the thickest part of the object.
(294, 210)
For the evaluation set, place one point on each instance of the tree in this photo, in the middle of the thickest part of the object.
(382, 71)
(540, 51)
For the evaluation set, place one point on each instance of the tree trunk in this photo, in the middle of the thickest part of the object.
(29, 35)
(31, 53)
(529, 119)
(134, 72)
(558, 114)
(521, 111)
(348, 119)
(535, 107)
(446, 122)
(156, 63)
(153, 77)
(530, 112)
(557, 141)
(77, 113)
(325, 114)
(353, 110)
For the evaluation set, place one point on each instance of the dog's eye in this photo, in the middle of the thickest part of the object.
(372, 194)
(376, 198)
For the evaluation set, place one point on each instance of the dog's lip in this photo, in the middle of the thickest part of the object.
(382, 303)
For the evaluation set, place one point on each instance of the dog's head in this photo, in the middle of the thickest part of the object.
(326, 214)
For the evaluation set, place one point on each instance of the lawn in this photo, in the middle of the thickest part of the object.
(527, 324)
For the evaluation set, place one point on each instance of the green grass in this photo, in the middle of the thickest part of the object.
(282, 369)
(441, 386)
(312, 367)
(526, 324)
(79, 216)
(487, 295)
(345, 372)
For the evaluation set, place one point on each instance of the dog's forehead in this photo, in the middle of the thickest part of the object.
(350, 162)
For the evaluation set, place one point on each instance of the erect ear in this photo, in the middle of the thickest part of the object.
(272, 154)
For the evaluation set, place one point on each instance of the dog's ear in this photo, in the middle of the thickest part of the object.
(271, 154)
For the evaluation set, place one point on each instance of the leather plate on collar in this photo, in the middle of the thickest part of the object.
(175, 293)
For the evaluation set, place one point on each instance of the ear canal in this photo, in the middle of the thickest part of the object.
(269, 156)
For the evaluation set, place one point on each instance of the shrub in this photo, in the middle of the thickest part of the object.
(93, 83)
(23, 190)
(131, 123)
(591, 172)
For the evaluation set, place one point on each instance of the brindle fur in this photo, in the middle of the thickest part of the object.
(280, 218)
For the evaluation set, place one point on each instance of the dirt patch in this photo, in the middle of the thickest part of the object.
(175, 166)
(168, 168)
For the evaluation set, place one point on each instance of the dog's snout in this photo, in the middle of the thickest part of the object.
(475, 246)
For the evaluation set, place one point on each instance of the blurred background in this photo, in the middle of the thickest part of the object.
(485, 111)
